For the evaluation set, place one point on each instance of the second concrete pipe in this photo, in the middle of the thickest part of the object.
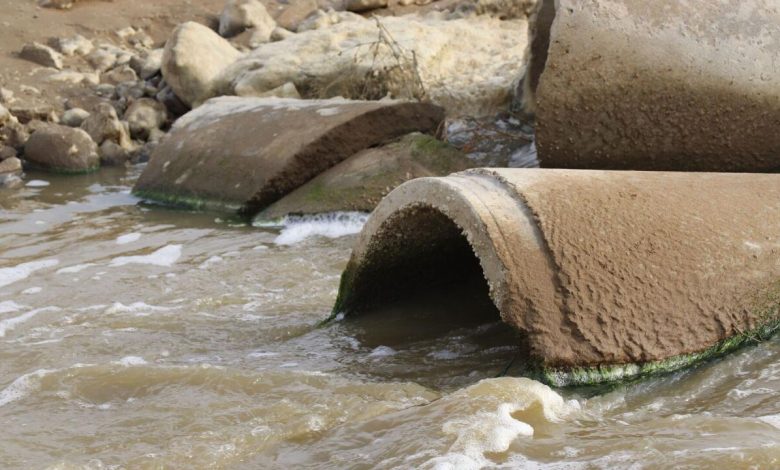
(656, 85)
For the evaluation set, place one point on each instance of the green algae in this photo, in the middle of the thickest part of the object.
(188, 202)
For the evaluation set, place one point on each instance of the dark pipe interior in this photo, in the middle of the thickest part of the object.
(540, 42)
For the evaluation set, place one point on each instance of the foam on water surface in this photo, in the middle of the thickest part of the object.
(128, 238)
(165, 256)
(296, 229)
(11, 323)
(24, 270)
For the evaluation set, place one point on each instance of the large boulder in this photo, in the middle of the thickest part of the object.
(62, 149)
(690, 86)
(243, 154)
(193, 57)
(405, 58)
(239, 15)
(361, 181)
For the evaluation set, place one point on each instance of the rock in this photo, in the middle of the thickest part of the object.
(148, 65)
(193, 57)
(361, 181)
(501, 9)
(145, 115)
(74, 117)
(13, 134)
(76, 45)
(280, 34)
(112, 154)
(10, 165)
(10, 181)
(106, 90)
(123, 73)
(6, 96)
(5, 115)
(75, 78)
(268, 147)
(103, 124)
(42, 55)
(321, 19)
(175, 106)
(58, 4)
(131, 90)
(62, 149)
(239, 15)
(101, 60)
(287, 90)
(348, 59)
(364, 5)
(26, 112)
(7, 152)
(295, 12)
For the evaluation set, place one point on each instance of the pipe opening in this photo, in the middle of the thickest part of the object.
(420, 267)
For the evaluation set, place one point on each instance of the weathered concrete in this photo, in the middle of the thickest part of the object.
(360, 182)
(635, 84)
(609, 274)
(243, 154)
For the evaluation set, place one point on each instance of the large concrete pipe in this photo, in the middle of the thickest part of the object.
(656, 85)
(608, 275)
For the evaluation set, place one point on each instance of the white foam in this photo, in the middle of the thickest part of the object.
(383, 351)
(130, 361)
(37, 184)
(76, 268)
(444, 355)
(23, 271)
(332, 225)
(128, 238)
(8, 306)
(32, 290)
(21, 387)
(139, 309)
(11, 323)
(165, 256)
(213, 260)
(773, 420)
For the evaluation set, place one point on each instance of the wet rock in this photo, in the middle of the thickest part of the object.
(62, 149)
(361, 181)
(10, 181)
(74, 117)
(103, 124)
(239, 15)
(7, 152)
(145, 115)
(193, 57)
(352, 59)
(76, 45)
(364, 5)
(42, 55)
(123, 73)
(11, 165)
(148, 65)
(268, 147)
(5, 115)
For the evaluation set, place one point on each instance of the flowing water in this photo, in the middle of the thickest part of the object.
(134, 336)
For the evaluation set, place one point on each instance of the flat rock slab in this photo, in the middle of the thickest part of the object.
(690, 86)
(608, 274)
(243, 154)
(360, 182)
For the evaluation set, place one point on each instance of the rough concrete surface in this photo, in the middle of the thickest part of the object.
(597, 268)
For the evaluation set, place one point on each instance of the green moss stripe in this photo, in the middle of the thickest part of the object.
(188, 202)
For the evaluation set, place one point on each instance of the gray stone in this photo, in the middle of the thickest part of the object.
(14, 134)
(103, 124)
(76, 45)
(11, 165)
(42, 55)
(148, 65)
(239, 15)
(121, 74)
(7, 152)
(112, 154)
(62, 149)
(74, 117)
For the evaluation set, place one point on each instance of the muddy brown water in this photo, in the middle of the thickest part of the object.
(138, 337)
